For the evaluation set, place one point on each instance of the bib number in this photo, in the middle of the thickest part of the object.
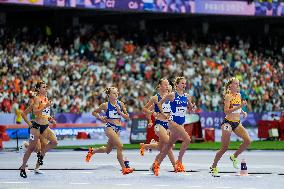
(166, 108)
(46, 112)
(180, 111)
(114, 114)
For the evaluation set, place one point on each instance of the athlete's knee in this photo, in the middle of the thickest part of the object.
(54, 142)
(187, 139)
(108, 150)
(247, 141)
(32, 148)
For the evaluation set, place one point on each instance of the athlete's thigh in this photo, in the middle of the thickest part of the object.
(226, 133)
(49, 135)
(179, 130)
(113, 136)
(241, 132)
(34, 136)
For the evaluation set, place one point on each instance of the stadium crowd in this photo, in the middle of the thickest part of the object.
(80, 65)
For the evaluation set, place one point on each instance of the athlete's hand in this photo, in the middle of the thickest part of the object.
(244, 103)
(166, 116)
(103, 119)
(245, 114)
(155, 114)
(117, 109)
(192, 108)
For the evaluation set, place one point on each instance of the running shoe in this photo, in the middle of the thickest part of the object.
(90, 154)
(179, 167)
(126, 170)
(214, 171)
(37, 171)
(142, 149)
(234, 161)
(156, 168)
(23, 173)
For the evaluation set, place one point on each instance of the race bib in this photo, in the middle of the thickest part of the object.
(114, 114)
(32, 137)
(166, 107)
(180, 111)
(46, 111)
(238, 111)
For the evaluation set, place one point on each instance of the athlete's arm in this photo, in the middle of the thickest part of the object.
(97, 112)
(191, 105)
(123, 113)
(25, 117)
(244, 114)
(147, 109)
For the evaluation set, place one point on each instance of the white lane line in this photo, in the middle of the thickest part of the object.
(161, 185)
(247, 188)
(259, 176)
(193, 186)
(73, 172)
(11, 182)
(223, 187)
(146, 173)
(79, 183)
(123, 184)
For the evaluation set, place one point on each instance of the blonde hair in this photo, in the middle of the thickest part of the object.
(227, 85)
(177, 80)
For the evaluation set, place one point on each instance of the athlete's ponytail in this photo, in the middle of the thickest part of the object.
(107, 90)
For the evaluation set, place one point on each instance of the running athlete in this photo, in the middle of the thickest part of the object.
(42, 141)
(41, 109)
(180, 102)
(161, 123)
(233, 104)
(115, 111)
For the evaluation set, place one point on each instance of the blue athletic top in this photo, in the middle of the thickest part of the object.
(111, 112)
(178, 108)
(166, 105)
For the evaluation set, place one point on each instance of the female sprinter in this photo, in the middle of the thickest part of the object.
(233, 110)
(115, 110)
(179, 103)
(41, 109)
(161, 123)
(42, 141)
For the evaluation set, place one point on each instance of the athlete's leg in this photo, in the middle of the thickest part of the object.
(51, 137)
(242, 133)
(225, 141)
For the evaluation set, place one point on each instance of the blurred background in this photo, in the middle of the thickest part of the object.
(80, 47)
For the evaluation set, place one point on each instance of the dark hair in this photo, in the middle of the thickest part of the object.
(160, 82)
(108, 89)
(38, 85)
